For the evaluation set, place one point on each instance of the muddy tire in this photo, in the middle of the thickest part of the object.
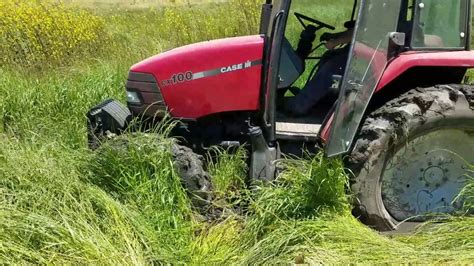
(407, 161)
(194, 178)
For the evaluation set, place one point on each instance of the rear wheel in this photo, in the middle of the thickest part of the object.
(412, 157)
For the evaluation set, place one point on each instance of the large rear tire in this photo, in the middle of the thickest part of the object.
(412, 155)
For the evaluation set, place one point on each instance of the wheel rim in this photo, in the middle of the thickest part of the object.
(426, 175)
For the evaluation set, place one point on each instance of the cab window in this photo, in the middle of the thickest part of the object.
(440, 24)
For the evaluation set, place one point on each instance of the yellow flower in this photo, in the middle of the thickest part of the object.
(44, 32)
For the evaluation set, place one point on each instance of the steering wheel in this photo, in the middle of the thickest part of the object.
(308, 35)
(319, 24)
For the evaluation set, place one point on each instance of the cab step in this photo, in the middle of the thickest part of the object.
(297, 131)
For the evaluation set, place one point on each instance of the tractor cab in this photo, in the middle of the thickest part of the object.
(296, 59)
(306, 64)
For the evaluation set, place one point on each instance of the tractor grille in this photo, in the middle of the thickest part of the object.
(151, 100)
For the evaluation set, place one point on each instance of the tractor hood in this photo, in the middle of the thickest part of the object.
(201, 79)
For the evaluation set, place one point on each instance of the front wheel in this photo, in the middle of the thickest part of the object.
(110, 118)
(413, 156)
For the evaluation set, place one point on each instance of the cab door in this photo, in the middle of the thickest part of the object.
(367, 61)
(273, 45)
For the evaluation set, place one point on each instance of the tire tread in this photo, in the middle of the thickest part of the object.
(390, 121)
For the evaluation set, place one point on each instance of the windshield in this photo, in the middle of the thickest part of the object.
(377, 18)
(332, 13)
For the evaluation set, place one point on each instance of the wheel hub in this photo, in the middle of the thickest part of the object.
(426, 175)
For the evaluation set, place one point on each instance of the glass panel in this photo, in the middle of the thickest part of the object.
(368, 59)
(332, 13)
(274, 40)
(440, 24)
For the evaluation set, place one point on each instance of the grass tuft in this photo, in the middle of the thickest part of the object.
(228, 171)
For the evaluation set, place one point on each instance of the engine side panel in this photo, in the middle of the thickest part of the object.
(209, 77)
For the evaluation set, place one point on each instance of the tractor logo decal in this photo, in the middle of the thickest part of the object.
(188, 75)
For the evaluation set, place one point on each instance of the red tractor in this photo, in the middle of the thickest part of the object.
(399, 113)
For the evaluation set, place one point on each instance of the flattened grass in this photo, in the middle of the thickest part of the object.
(48, 213)
(284, 226)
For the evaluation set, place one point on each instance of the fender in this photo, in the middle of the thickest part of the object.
(408, 60)
(405, 61)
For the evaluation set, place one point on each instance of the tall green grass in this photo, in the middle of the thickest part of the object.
(61, 203)
(283, 225)
(125, 205)
(50, 214)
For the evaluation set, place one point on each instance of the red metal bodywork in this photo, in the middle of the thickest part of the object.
(405, 61)
(238, 89)
(227, 87)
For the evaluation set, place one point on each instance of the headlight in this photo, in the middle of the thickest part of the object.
(132, 97)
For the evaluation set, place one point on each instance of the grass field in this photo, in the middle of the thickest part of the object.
(62, 203)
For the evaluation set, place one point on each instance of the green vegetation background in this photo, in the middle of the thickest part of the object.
(62, 203)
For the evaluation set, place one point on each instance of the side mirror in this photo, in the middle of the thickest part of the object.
(397, 39)
(396, 43)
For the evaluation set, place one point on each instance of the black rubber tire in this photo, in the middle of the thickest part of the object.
(194, 178)
(417, 111)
